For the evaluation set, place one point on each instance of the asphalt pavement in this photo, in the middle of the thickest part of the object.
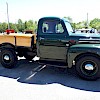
(34, 81)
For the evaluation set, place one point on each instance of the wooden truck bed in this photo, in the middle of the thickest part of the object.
(18, 39)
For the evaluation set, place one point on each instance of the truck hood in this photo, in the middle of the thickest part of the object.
(96, 35)
(86, 37)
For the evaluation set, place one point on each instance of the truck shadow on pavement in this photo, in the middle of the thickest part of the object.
(35, 73)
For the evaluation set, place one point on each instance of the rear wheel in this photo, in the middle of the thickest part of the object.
(88, 67)
(8, 58)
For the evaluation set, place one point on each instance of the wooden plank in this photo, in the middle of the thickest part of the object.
(5, 38)
(23, 41)
(27, 36)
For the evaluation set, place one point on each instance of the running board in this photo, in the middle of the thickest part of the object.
(53, 63)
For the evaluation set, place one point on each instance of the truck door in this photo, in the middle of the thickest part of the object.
(52, 40)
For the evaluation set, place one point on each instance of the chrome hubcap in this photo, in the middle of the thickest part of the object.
(6, 57)
(89, 67)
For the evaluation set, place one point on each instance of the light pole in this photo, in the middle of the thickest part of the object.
(8, 16)
(87, 21)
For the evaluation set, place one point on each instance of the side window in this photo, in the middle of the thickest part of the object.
(59, 28)
(45, 27)
(52, 27)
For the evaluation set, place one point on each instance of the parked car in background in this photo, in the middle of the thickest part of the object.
(83, 30)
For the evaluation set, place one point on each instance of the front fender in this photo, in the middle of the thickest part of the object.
(81, 49)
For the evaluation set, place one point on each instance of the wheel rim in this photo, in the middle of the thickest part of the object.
(89, 68)
(6, 58)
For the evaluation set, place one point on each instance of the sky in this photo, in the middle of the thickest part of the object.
(35, 9)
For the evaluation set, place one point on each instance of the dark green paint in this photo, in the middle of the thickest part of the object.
(81, 49)
(57, 46)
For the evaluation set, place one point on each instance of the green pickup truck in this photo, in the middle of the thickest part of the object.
(55, 41)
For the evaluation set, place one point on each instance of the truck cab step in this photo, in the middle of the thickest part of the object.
(53, 63)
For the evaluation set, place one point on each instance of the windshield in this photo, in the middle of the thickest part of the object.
(69, 27)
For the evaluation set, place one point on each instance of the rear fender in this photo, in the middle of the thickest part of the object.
(7, 45)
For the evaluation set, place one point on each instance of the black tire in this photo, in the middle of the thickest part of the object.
(88, 67)
(8, 58)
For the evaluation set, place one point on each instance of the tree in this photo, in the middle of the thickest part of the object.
(95, 23)
(1, 28)
(69, 19)
(4, 26)
(30, 25)
(14, 27)
(80, 25)
(20, 26)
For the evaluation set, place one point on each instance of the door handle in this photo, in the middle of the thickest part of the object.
(42, 38)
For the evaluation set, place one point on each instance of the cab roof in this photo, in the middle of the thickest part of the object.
(54, 17)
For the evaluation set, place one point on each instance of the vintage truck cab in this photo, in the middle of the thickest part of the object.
(57, 42)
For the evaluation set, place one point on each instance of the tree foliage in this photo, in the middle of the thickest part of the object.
(69, 19)
(30, 25)
(20, 26)
(80, 25)
(95, 23)
(3, 26)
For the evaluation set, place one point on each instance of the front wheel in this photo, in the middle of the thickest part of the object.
(88, 67)
(8, 58)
